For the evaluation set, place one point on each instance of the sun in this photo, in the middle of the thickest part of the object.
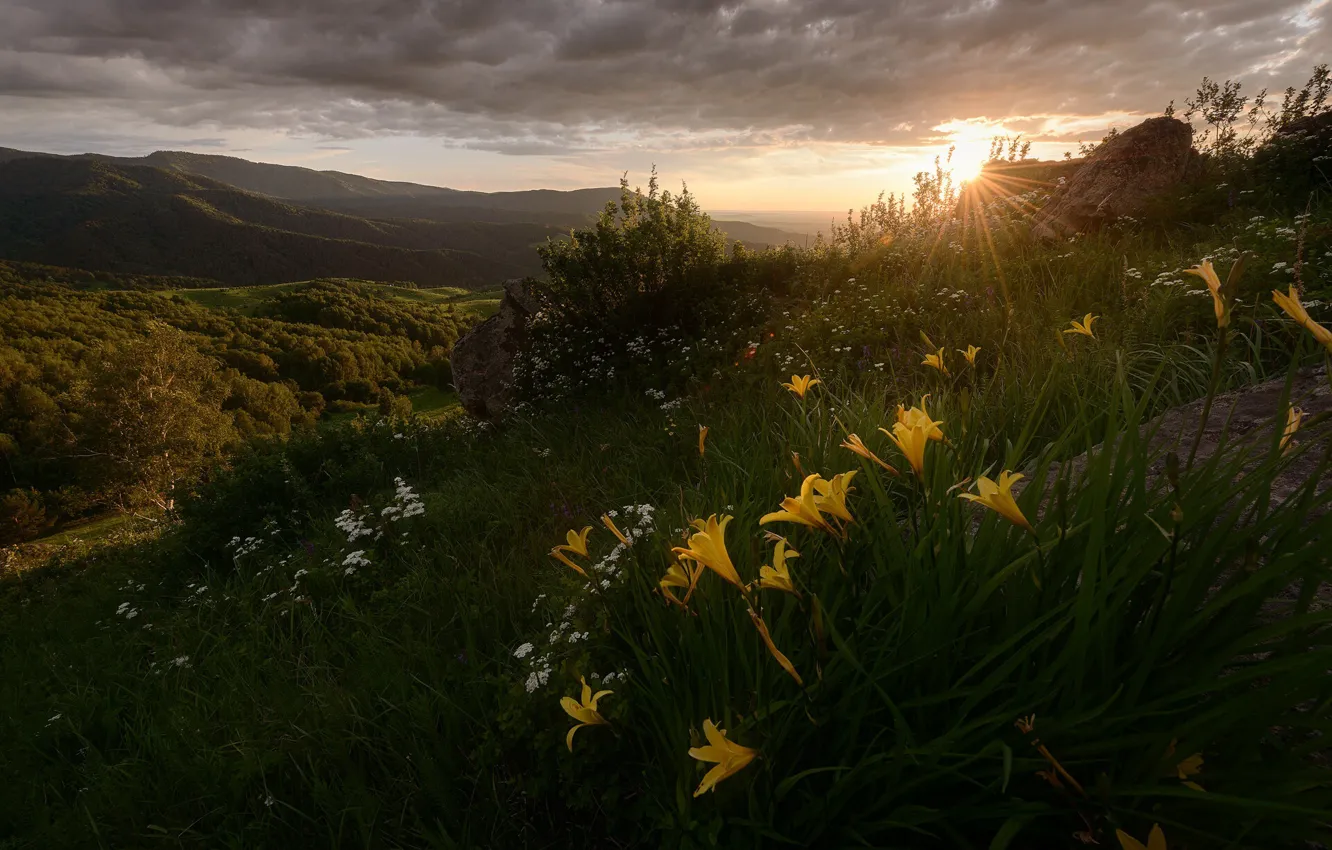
(969, 157)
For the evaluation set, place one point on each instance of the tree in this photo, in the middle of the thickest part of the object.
(149, 415)
(647, 244)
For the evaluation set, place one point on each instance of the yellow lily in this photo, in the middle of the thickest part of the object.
(918, 416)
(1205, 271)
(999, 497)
(708, 547)
(970, 354)
(831, 498)
(584, 711)
(857, 445)
(936, 360)
(577, 545)
(772, 647)
(1294, 417)
(1291, 304)
(801, 384)
(619, 535)
(730, 757)
(803, 509)
(702, 438)
(1155, 841)
(912, 439)
(680, 574)
(778, 576)
(1191, 766)
(1084, 327)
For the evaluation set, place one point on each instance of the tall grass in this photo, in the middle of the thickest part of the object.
(274, 686)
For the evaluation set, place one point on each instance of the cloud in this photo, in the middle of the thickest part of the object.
(551, 77)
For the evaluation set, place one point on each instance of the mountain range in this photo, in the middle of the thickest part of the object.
(246, 223)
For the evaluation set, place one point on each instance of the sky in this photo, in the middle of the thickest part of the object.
(756, 104)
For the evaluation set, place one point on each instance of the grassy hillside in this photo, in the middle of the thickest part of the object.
(146, 221)
(252, 299)
(359, 637)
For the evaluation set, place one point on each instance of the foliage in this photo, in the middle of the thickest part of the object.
(342, 342)
(148, 415)
(651, 273)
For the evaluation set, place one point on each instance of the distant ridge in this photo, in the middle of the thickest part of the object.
(296, 183)
(244, 223)
(94, 214)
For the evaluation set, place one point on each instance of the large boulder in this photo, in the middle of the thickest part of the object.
(482, 359)
(1120, 178)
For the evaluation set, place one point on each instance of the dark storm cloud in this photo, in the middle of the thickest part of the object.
(539, 76)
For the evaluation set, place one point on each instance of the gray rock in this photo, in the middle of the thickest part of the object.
(482, 359)
(1119, 178)
(1245, 420)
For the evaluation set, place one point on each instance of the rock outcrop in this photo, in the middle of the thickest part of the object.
(1241, 420)
(482, 359)
(1119, 178)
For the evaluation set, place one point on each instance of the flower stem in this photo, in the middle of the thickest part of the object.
(1222, 338)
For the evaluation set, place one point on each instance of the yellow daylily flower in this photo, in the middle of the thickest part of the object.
(584, 711)
(680, 574)
(772, 647)
(857, 445)
(800, 384)
(1291, 304)
(803, 509)
(708, 547)
(936, 360)
(1155, 841)
(970, 354)
(912, 439)
(831, 498)
(1294, 416)
(619, 535)
(1191, 766)
(999, 497)
(702, 438)
(1205, 271)
(919, 416)
(577, 545)
(1084, 327)
(730, 757)
(778, 576)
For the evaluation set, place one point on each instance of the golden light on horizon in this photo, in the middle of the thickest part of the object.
(969, 158)
(970, 141)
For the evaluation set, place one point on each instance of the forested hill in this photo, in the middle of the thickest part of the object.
(96, 215)
(294, 183)
(367, 197)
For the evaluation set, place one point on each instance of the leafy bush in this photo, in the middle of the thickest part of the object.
(623, 298)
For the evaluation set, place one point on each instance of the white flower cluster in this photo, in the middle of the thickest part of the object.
(244, 546)
(355, 527)
(406, 503)
(354, 560)
(127, 610)
(635, 522)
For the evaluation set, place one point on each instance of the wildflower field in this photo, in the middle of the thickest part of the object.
(780, 549)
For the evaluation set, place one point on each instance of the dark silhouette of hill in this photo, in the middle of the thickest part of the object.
(308, 186)
(94, 214)
(366, 197)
